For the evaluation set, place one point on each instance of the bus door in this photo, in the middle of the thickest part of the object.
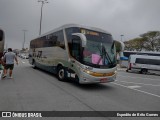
(76, 51)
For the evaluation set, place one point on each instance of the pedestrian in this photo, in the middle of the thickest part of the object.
(9, 58)
(1, 68)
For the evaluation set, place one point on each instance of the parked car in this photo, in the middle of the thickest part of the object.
(24, 56)
(144, 63)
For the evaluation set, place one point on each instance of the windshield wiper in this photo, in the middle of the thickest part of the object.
(103, 54)
(106, 55)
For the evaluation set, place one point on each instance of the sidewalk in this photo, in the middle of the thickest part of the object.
(121, 68)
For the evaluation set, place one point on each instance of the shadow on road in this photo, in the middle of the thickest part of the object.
(97, 86)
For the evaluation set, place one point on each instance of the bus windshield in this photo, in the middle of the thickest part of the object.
(99, 50)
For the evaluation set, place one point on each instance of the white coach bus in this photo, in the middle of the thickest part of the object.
(84, 54)
(144, 63)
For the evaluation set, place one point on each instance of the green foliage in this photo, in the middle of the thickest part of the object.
(118, 47)
(149, 41)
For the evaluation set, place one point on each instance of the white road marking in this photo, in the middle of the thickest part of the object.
(133, 87)
(138, 77)
(138, 83)
(23, 62)
(137, 90)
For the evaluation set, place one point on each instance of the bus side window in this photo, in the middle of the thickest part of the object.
(76, 43)
(39, 54)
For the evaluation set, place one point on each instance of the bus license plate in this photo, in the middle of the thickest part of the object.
(103, 80)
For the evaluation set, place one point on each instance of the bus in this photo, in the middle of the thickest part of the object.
(81, 53)
(144, 64)
(124, 62)
(1, 42)
(128, 53)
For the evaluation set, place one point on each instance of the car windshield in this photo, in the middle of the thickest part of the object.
(99, 51)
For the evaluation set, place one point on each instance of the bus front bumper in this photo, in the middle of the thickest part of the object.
(89, 79)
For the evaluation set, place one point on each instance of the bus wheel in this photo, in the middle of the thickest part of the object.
(144, 71)
(34, 64)
(61, 73)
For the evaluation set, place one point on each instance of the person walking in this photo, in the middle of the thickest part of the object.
(9, 58)
(1, 68)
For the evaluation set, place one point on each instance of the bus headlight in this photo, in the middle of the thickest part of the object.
(99, 74)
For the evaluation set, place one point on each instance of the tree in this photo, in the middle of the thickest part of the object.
(149, 41)
(134, 44)
(118, 47)
(152, 40)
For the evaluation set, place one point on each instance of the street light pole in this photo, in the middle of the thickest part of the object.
(24, 31)
(121, 37)
(43, 2)
(6, 46)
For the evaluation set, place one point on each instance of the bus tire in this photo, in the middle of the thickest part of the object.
(61, 73)
(144, 71)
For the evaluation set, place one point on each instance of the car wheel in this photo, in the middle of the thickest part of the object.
(61, 73)
(144, 71)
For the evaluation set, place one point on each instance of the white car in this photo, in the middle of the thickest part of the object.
(144, 63)
(24, 56)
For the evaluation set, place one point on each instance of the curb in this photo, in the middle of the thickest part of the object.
(121, 69)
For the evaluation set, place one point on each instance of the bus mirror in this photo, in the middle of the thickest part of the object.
(82, 37)
(121, 43)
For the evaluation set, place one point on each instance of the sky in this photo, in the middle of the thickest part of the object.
(119, 17)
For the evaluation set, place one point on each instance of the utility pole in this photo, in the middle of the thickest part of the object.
(24, 32)
(121, 38)
(43, 2)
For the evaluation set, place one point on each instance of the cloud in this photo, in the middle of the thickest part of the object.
(128, 17)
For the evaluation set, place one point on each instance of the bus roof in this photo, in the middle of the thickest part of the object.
(145, 56)
(154, 52)
(74, 25)
(151, 53)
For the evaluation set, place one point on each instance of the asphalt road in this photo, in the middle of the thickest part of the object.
(36, 90)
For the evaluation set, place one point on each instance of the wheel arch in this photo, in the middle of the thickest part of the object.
(59, 65)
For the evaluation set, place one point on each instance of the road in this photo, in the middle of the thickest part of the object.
(36, 90)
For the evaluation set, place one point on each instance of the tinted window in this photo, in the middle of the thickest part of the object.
(76, 41)
(69, 32)
(1, 35)
(147, 61)
(53, 39)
